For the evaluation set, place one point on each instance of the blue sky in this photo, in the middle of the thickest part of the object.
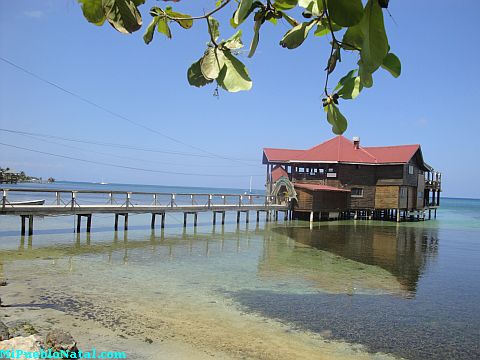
(434, 102)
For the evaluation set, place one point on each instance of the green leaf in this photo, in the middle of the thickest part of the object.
(242, 11)
(214, 27)
(148, 36)
(323, 28)
(315, 7)
(290, 20)
(123, 15)
(138, 2)
(392, 64)
(351, 88)
(234, 42)
(375, 42)
(297, 35)
(351, 74)
(163, 27)
(353, 38)
(366, 78)
(336, 119)
(256, 37)
(211, 63)
(195, 76)
(345, 12)
(93, 11)
(234, 76)
(186, 23)
(285, 4)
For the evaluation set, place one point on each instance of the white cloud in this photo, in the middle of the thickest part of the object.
(36, 14)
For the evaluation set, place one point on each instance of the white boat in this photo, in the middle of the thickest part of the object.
(28, 202)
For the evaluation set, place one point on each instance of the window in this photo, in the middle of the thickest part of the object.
(410, 169)
(357, 192)
(403, 192)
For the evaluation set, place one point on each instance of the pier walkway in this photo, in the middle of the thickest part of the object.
(85, 203)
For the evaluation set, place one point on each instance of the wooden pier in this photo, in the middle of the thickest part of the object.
(85, 203)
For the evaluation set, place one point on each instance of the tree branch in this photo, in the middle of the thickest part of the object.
(198, 17)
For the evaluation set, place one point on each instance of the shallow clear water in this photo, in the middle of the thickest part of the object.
(407, 289)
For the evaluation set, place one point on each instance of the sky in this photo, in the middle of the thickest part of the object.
(137, 97)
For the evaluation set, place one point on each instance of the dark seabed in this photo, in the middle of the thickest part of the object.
(437, 263)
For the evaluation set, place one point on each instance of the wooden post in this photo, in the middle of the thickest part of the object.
(163, 220)
(30, 225)
(285, 215)
(276, 215)
(214, 218)
(23, 218)
(152, 224)
(57, 196)
(247, 213)
(311, 216)
(429, 214)
(398, 215)
(238, 217)
(435, 213)
(89, 223)
(258, 216)
(223, 218)
(79, 222)
(195, 218)
(184, 219)
(4, 199)
(126, 221)
(116, 222)
(267, 215)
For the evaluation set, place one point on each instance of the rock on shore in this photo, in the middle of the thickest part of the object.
(16, 337)
(30, 343)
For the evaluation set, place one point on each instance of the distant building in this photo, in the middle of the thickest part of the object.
(341, 178)
(9, 176)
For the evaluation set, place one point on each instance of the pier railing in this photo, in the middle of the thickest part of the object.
(130, 199)
(85, 203)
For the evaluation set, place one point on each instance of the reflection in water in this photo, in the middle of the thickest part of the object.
(84, 245)
(402, 251)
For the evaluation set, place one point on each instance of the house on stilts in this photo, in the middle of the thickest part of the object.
(340, 178)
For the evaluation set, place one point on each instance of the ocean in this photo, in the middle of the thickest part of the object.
(339, 289)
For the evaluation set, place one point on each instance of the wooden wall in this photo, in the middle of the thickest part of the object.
(317, 201)
(420, 190)
(412, 197)
(304, 200)
(367, 201)
(386, 197)
(389, 171)
(349, 174)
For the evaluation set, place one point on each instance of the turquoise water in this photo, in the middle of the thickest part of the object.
(408, 289)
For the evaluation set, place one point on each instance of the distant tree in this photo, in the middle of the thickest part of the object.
(353, 27)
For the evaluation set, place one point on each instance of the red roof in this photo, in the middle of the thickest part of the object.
(316, 187)
(281, 154)
(278, 172)
(340, 149)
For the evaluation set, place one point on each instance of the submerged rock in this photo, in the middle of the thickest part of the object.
(21, 328)
(4, 333)
(30, 343)
(58, 340)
